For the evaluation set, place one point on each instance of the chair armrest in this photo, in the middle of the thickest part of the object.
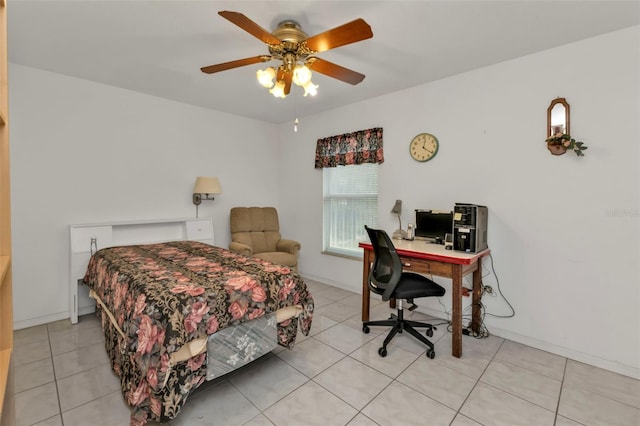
(240, 248)
(288, 246)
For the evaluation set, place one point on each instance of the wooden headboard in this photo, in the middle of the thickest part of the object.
(95, 236)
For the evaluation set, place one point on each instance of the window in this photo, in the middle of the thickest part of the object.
(350, 202)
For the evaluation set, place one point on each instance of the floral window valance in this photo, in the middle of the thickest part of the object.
(363, 146)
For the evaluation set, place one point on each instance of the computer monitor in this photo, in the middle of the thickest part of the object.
(432, 225)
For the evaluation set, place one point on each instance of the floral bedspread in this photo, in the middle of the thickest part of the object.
(165, 295)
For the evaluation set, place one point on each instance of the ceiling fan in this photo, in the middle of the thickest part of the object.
(289, 44)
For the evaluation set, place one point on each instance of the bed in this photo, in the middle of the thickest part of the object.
(163, 307)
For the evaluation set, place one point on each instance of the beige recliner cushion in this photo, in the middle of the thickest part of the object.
(256, 231)
(256, 227)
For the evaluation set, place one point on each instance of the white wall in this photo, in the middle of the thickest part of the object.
(562, 230)
(83, 152)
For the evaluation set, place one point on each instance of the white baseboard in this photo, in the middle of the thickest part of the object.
(323, 280)
(32, 322)
(614, 366)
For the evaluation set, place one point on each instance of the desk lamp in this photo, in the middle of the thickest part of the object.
(398, 234)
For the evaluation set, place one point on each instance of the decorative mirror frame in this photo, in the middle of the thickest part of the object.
(552, 130)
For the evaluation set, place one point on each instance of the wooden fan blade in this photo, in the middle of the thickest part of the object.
(333, 70)
(235, 64)
(249, 26)
(287, 82)
(284, 76)
(348, 33)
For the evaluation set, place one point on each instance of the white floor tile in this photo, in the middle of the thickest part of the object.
(400, 405)
(259, 420)
(311, 357)
(222, 405)
(32, 351)
(319, 301)
(343, 338)
(37, 404)
(52, 421)
(34, 374)
(495, 382)
(353, 382)
(311, 405)
(491, 406)
(605, 383)
(461, 420)
(533, 387)
(320, 323)
(110, 410)
(392, 365)
(84, 321)
(267, 380)
(594, 410)
(30, 335)
(337, 311)
(532, 359)
(474, 359)
(438, 382)
(336, 294)
(563, 421)
(83, 359)
(362, 420)
(71, 339)
(86, 386)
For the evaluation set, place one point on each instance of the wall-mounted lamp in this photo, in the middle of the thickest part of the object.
(397, 209)
(206, 186)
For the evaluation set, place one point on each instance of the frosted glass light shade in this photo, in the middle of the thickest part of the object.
(310, 89)
(301, 75)
(266, 76)
(278, 90)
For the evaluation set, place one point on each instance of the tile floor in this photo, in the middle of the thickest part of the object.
(333, 377)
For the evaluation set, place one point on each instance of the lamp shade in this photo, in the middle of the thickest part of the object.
(207, 185)
(397, 208)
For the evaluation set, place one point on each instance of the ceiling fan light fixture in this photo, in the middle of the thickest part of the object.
(301, 75)
(278, 90)
(310, 88)
(293, 47)
(266, 76)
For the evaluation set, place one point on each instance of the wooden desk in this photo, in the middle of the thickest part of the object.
(432, 259)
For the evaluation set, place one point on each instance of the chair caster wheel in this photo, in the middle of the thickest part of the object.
(365, 329)
(431, 353)
(382, 352)
(429, 333)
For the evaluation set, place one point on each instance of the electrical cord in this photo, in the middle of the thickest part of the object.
(513, 311)
(483, 330)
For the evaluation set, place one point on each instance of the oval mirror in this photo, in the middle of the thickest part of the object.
(558, 117)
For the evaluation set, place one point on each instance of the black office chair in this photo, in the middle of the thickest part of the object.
(386, 278)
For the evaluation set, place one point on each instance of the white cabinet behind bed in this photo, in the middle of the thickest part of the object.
(85, 238)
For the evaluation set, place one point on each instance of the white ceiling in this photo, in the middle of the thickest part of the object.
(157, 47)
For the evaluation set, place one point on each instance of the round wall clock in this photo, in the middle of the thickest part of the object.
(423, 147)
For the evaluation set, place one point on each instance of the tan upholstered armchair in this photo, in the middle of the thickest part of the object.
(255, 231)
